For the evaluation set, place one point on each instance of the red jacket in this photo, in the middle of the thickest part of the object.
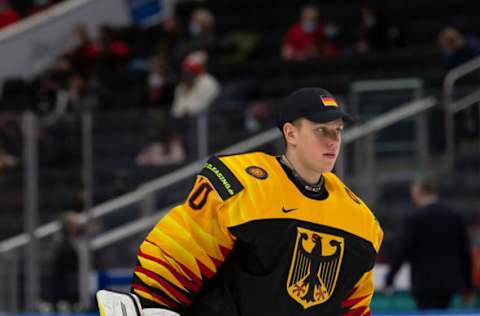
(299, 44)
(8, 16)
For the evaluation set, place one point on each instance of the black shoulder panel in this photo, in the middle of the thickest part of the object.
(224, 181)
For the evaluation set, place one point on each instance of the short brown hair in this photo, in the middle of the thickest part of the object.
(427, 183)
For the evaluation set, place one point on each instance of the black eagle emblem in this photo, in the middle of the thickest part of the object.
(314, 269)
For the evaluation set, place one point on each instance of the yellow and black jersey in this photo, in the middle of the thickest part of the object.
(248, 241)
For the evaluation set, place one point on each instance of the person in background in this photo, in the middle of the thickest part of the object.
(163, 147)
(201, 35)
(76, 99)
(377, 30)
(85, 54)
(114, 54)
(65, 266)
(257, 116)
(202, 22)
(306, 39)
(197, 88)
(436, 244)
(457, 47)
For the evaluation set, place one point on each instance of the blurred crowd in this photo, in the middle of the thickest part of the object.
(164, 69)
(12, 11)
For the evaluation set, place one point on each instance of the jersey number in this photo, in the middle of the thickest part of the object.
(197, 200)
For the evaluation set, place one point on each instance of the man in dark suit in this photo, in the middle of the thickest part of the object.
(435, 242)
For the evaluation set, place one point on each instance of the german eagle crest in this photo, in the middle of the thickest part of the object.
(315, 267)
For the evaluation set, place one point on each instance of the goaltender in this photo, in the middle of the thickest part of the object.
(263, 235)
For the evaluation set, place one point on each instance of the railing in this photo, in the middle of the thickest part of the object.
(9, 268)
(452, 107)
(366, 148)
(146, 191)
(358, 87)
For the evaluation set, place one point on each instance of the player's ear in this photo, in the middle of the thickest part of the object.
(290, 132)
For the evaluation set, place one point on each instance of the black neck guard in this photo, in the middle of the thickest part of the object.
(316, 191)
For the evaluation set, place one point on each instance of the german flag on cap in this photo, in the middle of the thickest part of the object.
(328, 101)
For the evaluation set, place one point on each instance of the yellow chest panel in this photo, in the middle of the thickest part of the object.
(277, 197)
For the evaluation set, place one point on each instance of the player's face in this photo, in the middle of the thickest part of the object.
(318, 144)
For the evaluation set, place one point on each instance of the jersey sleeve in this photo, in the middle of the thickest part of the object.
(185, 249)
(358, 302)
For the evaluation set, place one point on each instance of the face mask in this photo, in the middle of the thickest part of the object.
(308, 26)
(194, 29)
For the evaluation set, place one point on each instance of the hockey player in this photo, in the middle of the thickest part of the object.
(263, 235)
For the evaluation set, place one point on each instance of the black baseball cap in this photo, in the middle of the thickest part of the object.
(315, 104)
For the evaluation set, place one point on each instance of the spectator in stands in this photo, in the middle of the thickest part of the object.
(257, 116)
(8, 15)
(49, 83)
(435, 242)
(160, 86)
(306, 39)
(114, 53)
(78, 97)
(65, 267)
(201, 29)
(197, 88)
(86, 52)
(457, 47)
(109, 43)
(163, 146)
(377, 31)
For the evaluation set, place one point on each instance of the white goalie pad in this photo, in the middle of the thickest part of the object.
(111, 303)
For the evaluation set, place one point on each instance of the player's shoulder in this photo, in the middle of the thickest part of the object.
(227, 173)
(364, 214)
(334, 183)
